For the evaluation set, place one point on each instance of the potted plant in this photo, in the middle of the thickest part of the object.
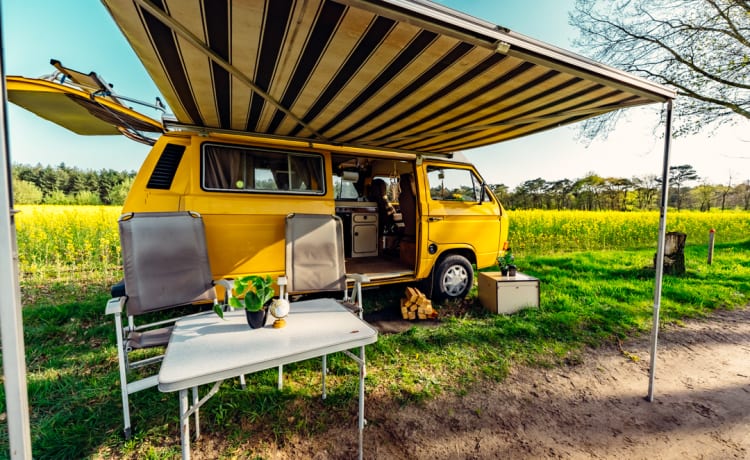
(258, 293)
(507, 268)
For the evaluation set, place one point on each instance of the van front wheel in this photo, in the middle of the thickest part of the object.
(453, 278)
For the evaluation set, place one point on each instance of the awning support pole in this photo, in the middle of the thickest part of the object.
(11, 319)
(659, 263)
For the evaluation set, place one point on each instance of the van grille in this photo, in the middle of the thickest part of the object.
(166, 167)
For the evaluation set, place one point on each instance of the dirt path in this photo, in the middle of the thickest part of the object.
(595, 409)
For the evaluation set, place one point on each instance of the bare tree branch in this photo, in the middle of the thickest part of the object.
(700, 47)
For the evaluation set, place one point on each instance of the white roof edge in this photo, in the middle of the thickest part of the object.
(484, 33)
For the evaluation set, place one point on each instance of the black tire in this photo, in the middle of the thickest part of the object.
(452, 278)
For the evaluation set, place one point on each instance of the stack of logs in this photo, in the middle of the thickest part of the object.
(416, 305)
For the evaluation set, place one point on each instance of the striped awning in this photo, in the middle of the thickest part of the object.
(396, 74)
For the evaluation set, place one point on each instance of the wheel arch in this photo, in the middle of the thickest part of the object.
(467, 253)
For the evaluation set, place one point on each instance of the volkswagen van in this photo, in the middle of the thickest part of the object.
(434, 219)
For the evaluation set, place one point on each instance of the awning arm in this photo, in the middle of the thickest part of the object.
(659, 262)
(181, 30)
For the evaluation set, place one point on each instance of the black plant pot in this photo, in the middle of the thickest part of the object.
(512, 270)
(504, 271)
(256, 319)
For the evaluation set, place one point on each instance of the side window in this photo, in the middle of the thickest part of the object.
(454, 184)
(234, 168)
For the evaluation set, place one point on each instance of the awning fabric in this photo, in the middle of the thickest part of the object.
(395, 74)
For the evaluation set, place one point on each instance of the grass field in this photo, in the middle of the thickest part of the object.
(588, 298)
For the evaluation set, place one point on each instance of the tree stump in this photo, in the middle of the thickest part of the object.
(674, 253)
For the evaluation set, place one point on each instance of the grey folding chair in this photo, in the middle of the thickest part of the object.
(165, 265)
(315, 263)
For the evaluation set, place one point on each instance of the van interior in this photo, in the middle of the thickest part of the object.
(376, 201)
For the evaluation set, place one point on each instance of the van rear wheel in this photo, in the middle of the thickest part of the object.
(453, 278)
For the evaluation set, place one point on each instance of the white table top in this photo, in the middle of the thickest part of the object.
(205, 348)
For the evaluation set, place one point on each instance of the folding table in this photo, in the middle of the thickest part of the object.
(206, 349)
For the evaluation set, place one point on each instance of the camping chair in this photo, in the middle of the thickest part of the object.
(166, 265)
(315, 263)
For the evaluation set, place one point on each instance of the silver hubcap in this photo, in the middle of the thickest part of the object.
(455, 280)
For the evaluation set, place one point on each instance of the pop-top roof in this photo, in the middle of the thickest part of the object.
(395, 74)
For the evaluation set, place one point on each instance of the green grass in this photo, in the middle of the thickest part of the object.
(587, 298)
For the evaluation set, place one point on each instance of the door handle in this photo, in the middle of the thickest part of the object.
(434, 219)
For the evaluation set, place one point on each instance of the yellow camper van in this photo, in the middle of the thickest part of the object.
(353, 108)
(405, 217)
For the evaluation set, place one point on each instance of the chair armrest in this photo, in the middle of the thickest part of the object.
(357, 278)
(115, 306)
(228, 285)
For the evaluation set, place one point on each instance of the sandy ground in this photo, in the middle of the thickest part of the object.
(594, 409)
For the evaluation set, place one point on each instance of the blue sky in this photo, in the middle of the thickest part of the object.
(85, 38)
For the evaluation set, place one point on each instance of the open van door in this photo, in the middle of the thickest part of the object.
(82, 103)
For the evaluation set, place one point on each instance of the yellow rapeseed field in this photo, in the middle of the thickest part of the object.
(65, 240)
(53, 240)
(538, 231)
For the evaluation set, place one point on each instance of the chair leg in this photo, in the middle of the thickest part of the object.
(122, 364)
(280, 382)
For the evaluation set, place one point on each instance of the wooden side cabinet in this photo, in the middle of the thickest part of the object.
(508, 294)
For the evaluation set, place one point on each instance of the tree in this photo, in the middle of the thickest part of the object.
(678, 176)
(560, 193)
(587, 190)
(616, 191)
(646, 188)
(699, 47)
(25, 192)
(119, 192)
(705, 194)
(533, 189)
(743, 193)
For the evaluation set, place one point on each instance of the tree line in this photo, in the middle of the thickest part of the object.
(69, 185)
(593, 193)
(62, 184)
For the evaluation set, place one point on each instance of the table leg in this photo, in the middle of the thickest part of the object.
(362, 371)
(325, 371)
(184, 425)
(197, 420)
